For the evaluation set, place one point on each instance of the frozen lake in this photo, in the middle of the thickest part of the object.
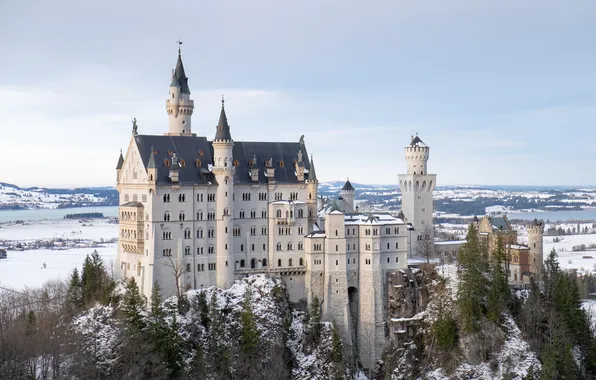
(25, 268)
(49, 214)
(563, 215)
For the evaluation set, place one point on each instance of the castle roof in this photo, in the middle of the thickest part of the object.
(348, 186)
(196, 150)
(180, 76)
(120, 161)
(312, 176)
(223, 128)
(416, 141)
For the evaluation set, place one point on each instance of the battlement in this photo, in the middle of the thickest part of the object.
(535, 230)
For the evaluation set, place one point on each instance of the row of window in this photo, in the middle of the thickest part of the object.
(135, 198)
(290, 246)
(290, 213)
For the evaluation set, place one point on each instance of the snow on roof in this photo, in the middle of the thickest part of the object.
(288, 202)
(372, 218)
(450, 242)
(517, 246)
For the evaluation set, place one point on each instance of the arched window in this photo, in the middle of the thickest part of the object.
(264, 263)
(279, 213)
(279, 246)
(290, 262)
(301, 262)
(241, 263)
(253, 263)
(279, 262)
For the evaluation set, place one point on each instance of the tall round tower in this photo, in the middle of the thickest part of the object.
(347, 193)
(223, 169)
(179, 105)
(417, 188)
(536, 256)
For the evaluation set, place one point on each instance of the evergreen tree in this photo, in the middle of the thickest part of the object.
(203, 308)
(498, 293)
(75, 294)
(472, 287)
(314, 335)
(94, 279)
(337, 356)
(219, 356)
(132, 305)
(250, 338)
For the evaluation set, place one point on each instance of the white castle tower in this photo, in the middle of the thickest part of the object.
(535, 257)
(417, 191)
(347, 193)
(223, 169)
(179, 106)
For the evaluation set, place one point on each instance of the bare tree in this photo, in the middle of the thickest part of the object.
(425, 247)
(177, 269)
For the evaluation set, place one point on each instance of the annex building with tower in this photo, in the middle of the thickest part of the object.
(198, 212)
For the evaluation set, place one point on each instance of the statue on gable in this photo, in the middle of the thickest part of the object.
(134, 126)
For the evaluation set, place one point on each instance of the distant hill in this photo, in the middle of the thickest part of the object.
(13, 197)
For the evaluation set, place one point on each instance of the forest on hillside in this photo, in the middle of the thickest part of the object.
(474, 326)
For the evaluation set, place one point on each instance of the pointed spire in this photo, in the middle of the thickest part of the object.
(223, 128)
(348, 186)
(120, 161)
(151, 164)
(175, 82)
(180, 74)
(312, 175)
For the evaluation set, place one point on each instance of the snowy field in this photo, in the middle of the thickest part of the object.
(66, 229)
(25, 268)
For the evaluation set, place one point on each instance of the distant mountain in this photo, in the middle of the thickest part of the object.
(13, 197)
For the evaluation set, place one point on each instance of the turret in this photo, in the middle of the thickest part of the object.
(313, 198)
(347, 193)
(536, 256)
(152, 171)
(223, 169)
(119, 167)
(179, 106)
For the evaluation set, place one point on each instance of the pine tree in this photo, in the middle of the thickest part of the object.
(75, 293)
(132, 305)
(315, 322)
(498, 294)
(472, 287)
(250, 338)
(337, 357)
(203, 308)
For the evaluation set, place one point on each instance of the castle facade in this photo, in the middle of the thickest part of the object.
(196, 213)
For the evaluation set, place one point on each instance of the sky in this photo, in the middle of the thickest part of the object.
(503, 92)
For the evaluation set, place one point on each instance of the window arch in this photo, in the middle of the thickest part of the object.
(242, 263)
(253, 263)
(290, 262)
(264, 263)
(278, 262)
(301, 262)
(278, 213)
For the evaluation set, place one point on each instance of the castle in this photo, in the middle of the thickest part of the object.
(196, 213)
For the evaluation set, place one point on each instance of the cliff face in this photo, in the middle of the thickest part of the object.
(422, 310)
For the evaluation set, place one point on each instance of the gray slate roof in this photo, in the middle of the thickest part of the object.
(223, 128)
(120, 161)
(181, 76)
(348, 186)
(312, 175)
(277, 151)
(500, 223)
(187, 148)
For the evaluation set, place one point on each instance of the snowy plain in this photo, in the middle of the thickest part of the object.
(25, 268)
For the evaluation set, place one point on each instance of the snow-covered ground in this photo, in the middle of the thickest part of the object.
(66, 229)
(25, 268)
